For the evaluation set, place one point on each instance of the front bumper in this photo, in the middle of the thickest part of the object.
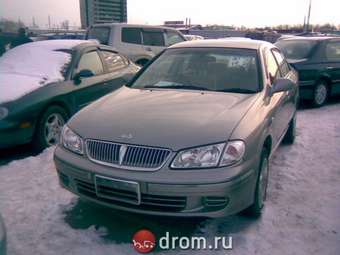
(11, 134)
(170, 196)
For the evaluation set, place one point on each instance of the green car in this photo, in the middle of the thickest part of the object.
(317, 59)
(44, 83)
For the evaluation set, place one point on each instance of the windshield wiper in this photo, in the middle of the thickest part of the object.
(190, 87)
(238, 90)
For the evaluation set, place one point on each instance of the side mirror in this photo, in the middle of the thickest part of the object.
(281, 85)
(85, 73)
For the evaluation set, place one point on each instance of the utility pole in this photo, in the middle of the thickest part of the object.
(49, 21)
(308, 17)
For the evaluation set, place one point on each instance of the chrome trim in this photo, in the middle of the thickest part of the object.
(124, 167)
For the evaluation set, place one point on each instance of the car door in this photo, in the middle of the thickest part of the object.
(289, 100)
(153, 40)
(89, 87)
(117, 71)
(276, 100)
(332, 61)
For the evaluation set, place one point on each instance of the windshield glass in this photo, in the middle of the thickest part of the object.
(213, 69)
(296, 49)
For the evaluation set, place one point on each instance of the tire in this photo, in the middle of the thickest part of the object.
(142, 62)
(260, 195)
(49, 127)
(291, 132)
(320, 94)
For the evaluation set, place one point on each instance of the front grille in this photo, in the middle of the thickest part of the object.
(126, 156)
(123, 198)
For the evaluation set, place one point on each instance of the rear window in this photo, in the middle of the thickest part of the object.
(114, 62)
(102, 34)
(296, 49)
(131, 35)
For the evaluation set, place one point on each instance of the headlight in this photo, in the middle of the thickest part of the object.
(3, 113)
(233, 153)
(72, 141)
(200, 157)
(210, 156)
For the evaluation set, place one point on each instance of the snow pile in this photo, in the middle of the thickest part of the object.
(33, 65)
(301, 216)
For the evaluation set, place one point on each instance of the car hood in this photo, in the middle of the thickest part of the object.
(174, 119)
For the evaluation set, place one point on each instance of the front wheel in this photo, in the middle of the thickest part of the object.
(49, 127)
(261, 186)
(320, 94)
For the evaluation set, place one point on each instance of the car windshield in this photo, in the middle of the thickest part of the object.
(210, 69)
(296, 49)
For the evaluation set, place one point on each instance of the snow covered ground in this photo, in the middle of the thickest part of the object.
(301, 216)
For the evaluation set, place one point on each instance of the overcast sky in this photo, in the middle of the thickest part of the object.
(228, 12)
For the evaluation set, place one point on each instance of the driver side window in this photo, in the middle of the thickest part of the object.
(90, 61)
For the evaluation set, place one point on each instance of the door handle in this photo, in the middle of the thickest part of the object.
(329, 67)
(148, 49)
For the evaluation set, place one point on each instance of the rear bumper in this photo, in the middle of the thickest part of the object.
(165, 199)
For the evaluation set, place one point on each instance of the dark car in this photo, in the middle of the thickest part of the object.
(317, 59)
(44, 83)
(191, 135)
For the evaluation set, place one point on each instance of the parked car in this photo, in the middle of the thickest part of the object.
(193, 37)
(139, 42)
(44, 83)
(2, 237)
(190, 135)
(317, 59)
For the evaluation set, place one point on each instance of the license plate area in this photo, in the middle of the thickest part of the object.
(118, 190)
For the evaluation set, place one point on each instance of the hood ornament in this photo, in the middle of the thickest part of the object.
(126, 136)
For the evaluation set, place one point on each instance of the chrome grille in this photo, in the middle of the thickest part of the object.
(126, 156)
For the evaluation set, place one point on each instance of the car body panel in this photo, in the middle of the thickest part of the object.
(142, 110)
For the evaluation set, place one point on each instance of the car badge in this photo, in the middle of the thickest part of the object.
(122, 151)
(126, 136)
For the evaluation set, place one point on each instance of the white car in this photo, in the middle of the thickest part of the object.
(140, 43)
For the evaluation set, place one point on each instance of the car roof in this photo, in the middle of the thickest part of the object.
(130, 25)
(60, 44)
(223, 43)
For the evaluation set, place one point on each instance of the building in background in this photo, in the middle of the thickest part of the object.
(102, 11)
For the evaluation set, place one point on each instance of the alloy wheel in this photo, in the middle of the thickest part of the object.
(53, 127)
